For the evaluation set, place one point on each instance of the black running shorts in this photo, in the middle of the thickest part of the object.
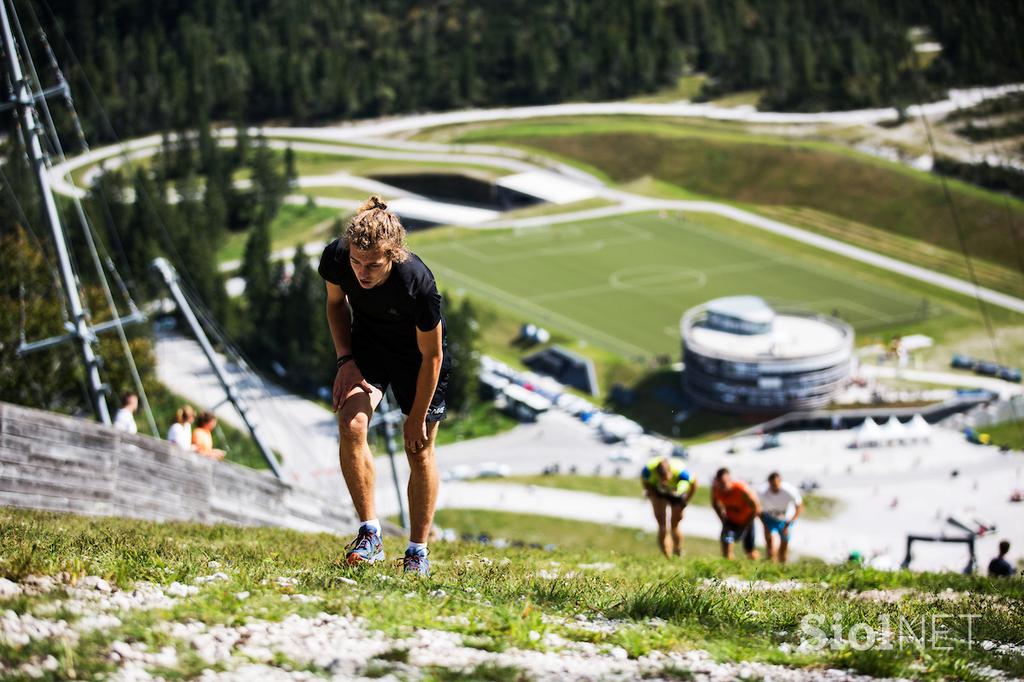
(673, 500)
(401, 377)
(734, 532)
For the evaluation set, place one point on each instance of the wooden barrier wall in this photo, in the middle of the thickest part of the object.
(59, 463)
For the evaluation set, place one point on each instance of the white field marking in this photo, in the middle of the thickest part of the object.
(662, 277)
(572, 248)
(633, 234)
(521, 304)
(808, 264)
(873, 316)
(610, 286)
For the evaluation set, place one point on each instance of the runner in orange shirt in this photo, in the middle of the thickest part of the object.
(737, 506)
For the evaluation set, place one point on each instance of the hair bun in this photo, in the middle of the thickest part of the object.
(372, 203)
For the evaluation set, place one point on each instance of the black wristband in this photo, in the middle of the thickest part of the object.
(343, 359)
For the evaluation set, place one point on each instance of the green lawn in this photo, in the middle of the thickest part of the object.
(685, 88)
(1007, 434)
(565, 534)
(817, 507)
(490, 599)
(622, 283)
(291, 226)
(728, 164)
(320, 163)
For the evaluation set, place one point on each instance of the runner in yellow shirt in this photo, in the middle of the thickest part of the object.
(669, 486)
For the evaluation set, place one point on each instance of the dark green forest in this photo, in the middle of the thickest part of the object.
(172, 65)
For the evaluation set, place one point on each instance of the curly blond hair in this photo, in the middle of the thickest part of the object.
(374, 227)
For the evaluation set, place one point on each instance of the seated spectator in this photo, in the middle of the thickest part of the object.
(202, 436)
(180, 432)
(125, 418)
(1000, 567)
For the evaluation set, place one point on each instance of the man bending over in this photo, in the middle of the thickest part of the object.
(384, 312)
(669, 487)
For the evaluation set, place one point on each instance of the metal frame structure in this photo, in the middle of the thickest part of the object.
(78, 328)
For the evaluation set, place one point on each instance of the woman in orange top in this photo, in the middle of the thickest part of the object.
(202, 436)
(737, 506)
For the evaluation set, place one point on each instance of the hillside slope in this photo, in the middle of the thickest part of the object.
(87, 597)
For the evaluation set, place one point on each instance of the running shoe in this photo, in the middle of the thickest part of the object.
(367, 548)
(416, 562)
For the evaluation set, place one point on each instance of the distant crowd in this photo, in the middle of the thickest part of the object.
(188, 431)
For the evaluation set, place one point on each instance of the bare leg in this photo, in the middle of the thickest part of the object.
(727, 550)
(677, 534)
(422, 487)
(769, 544)
(659, 506)
(354, 451)
(783, 550)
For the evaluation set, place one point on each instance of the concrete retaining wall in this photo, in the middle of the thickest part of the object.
(59, 463)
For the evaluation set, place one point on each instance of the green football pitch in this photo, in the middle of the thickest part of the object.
(623, 283)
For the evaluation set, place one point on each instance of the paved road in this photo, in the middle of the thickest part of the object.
(1004, 389)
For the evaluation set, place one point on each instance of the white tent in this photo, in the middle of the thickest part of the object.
(893, 431)
(868, 433)
(919, 429)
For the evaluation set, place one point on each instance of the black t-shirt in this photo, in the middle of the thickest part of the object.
(1000, 567)
(386, 317)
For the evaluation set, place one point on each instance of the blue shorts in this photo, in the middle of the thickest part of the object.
(774, 525)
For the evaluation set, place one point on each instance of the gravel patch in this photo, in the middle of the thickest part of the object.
(20, 629)
(739, 585)
(342, 647)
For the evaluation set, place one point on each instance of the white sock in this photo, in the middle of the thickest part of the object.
(372, 523)
(418, 547)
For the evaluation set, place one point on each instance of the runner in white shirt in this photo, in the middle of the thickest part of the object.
(777, 501)
(125, 418)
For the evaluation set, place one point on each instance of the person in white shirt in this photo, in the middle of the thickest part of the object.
(125, 418)
(781, 504)
(180, 432)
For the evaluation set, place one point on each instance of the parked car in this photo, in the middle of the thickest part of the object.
(989, 369)
(962, 361)
(457, 473)
(493, 470)
(623, 456)
(1010, 374)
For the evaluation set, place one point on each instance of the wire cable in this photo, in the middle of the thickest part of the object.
(962, 239)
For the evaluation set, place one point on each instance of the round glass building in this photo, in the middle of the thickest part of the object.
(743, 356)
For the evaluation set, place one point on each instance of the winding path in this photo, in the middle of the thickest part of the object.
(367, 140)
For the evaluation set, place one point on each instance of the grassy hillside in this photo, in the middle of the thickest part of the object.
(174, 599)
(724, 164)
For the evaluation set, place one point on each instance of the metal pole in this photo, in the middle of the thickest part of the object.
(171, 278)
(389, 417)
(25, 102)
